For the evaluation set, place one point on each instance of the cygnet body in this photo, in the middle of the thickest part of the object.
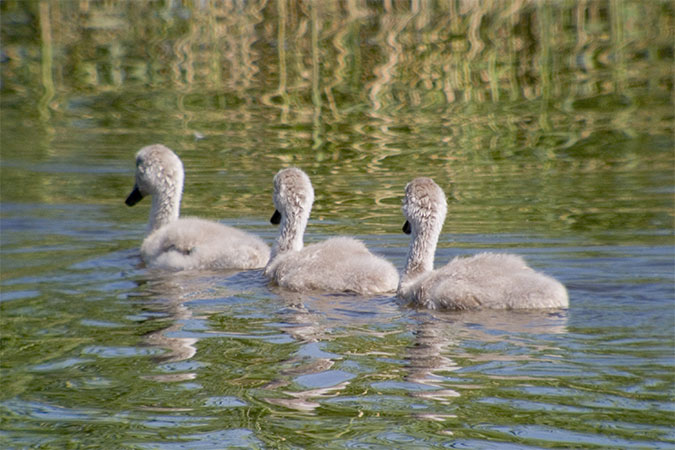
(186, 243)
(339, 264)
(483, 281)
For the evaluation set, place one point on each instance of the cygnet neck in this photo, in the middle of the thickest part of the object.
(420, 257)
(291, 233)
(165, 207)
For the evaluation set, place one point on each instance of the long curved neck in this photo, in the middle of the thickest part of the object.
(291, 232)
(420, 258)
(165, 207)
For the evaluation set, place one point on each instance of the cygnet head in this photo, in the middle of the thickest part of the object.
(158, 171)
(424, 207)
(293, 198)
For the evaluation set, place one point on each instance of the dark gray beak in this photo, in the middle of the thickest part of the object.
(406, 227)
(134, 197)
(276, 218)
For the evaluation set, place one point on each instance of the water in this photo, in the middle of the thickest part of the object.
(549, 125)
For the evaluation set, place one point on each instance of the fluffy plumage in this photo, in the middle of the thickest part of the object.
(186, 243)
(339, 264)
(486, 280)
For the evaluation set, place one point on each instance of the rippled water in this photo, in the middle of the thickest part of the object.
(550, 126)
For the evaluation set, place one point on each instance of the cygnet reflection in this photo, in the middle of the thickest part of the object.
(165, 295)
(313, 321)
(441, 340)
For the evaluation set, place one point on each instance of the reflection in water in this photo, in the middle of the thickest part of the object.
(538, 322)
(427, 356)
(46, 63)
(169, 292)
(441, 334)
(314, 320)
(179, 348)
(307, 400)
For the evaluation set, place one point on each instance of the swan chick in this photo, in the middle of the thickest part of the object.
(339, 264)
(175, 243)
(483, 281)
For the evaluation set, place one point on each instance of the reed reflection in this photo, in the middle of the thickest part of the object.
(367, 90)
(424, 55)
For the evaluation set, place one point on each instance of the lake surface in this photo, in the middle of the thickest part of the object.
(548, 124)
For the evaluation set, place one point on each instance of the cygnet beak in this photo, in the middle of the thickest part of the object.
(406, 227)
(276, 217)
(134, 197)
